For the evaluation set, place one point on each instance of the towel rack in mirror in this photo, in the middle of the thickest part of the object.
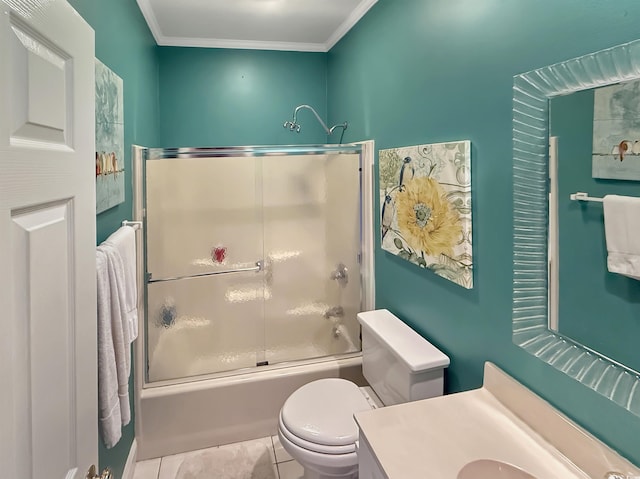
(581, 196)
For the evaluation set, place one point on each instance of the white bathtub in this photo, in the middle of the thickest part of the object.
(183, 417)
(176, 418)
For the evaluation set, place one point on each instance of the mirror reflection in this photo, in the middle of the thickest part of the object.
(595, 148)
(596, 310)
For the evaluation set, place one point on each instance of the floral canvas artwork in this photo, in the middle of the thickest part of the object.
(425, 206)
(109, 138)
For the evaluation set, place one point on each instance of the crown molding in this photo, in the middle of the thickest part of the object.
(359, 12)
(164, 40)
(150, 17)
(239, 44)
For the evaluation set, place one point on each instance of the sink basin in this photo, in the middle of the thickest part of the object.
(490, 469)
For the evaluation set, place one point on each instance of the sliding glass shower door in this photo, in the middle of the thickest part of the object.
(204, 216)
(250, 260)
(311, 232)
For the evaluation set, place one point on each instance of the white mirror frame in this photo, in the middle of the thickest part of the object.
(531, 94)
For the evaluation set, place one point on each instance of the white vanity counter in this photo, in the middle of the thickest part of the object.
(503, 421)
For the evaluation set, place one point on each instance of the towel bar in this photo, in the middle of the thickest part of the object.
(258, 267)
(580, 196)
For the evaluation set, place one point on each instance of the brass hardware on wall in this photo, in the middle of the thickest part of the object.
(92, 474)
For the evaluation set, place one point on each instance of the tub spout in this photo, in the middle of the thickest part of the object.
(334, 312)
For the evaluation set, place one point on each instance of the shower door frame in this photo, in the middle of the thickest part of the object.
(140, 155)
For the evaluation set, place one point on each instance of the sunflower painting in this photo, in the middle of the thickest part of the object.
(425, 207)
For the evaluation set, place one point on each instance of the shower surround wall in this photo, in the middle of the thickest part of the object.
(296, 213)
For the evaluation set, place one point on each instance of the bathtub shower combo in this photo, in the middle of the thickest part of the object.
(253, 270)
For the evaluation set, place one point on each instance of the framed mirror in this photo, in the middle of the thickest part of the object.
(532, 290)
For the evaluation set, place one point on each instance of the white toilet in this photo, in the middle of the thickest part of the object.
(316, 425)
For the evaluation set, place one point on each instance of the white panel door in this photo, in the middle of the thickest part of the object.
(48, 374)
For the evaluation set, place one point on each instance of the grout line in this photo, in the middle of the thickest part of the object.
(159, 467)
(273, 448)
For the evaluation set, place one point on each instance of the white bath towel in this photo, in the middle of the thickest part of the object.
(124, 240)
(108, 401)
(119, 329)
(622, 231)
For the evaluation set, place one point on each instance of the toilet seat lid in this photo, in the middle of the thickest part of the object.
(321, 412)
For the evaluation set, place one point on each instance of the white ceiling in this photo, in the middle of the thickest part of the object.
(299, 25)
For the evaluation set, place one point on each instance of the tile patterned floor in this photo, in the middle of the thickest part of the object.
(167, 467)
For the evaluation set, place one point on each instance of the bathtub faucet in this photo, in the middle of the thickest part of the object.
(341, 274)
(334, 312)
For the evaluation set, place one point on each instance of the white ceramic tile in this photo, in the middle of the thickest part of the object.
(264, 441)
(170, 465)
(281, 454)
(147, 469)
(290, 470)
(276, 474)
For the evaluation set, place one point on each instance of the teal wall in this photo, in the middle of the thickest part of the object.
(597, 308)
(416, 71)
(411, 72)
(124, 44)
(216, 97)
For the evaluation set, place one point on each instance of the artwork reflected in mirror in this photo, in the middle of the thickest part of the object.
(597, 138)
(616, 131)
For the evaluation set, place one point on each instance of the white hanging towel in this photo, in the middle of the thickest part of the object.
(622, 232)
(124, 241)
(119, 328)
(108, 400)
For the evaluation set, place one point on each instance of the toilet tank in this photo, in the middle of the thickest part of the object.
(399, 364)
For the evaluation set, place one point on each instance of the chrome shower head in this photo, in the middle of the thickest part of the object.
(292, 125)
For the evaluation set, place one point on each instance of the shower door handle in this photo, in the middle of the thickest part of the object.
(257, 268)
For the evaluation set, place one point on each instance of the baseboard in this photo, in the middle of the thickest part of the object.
(130, 466)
